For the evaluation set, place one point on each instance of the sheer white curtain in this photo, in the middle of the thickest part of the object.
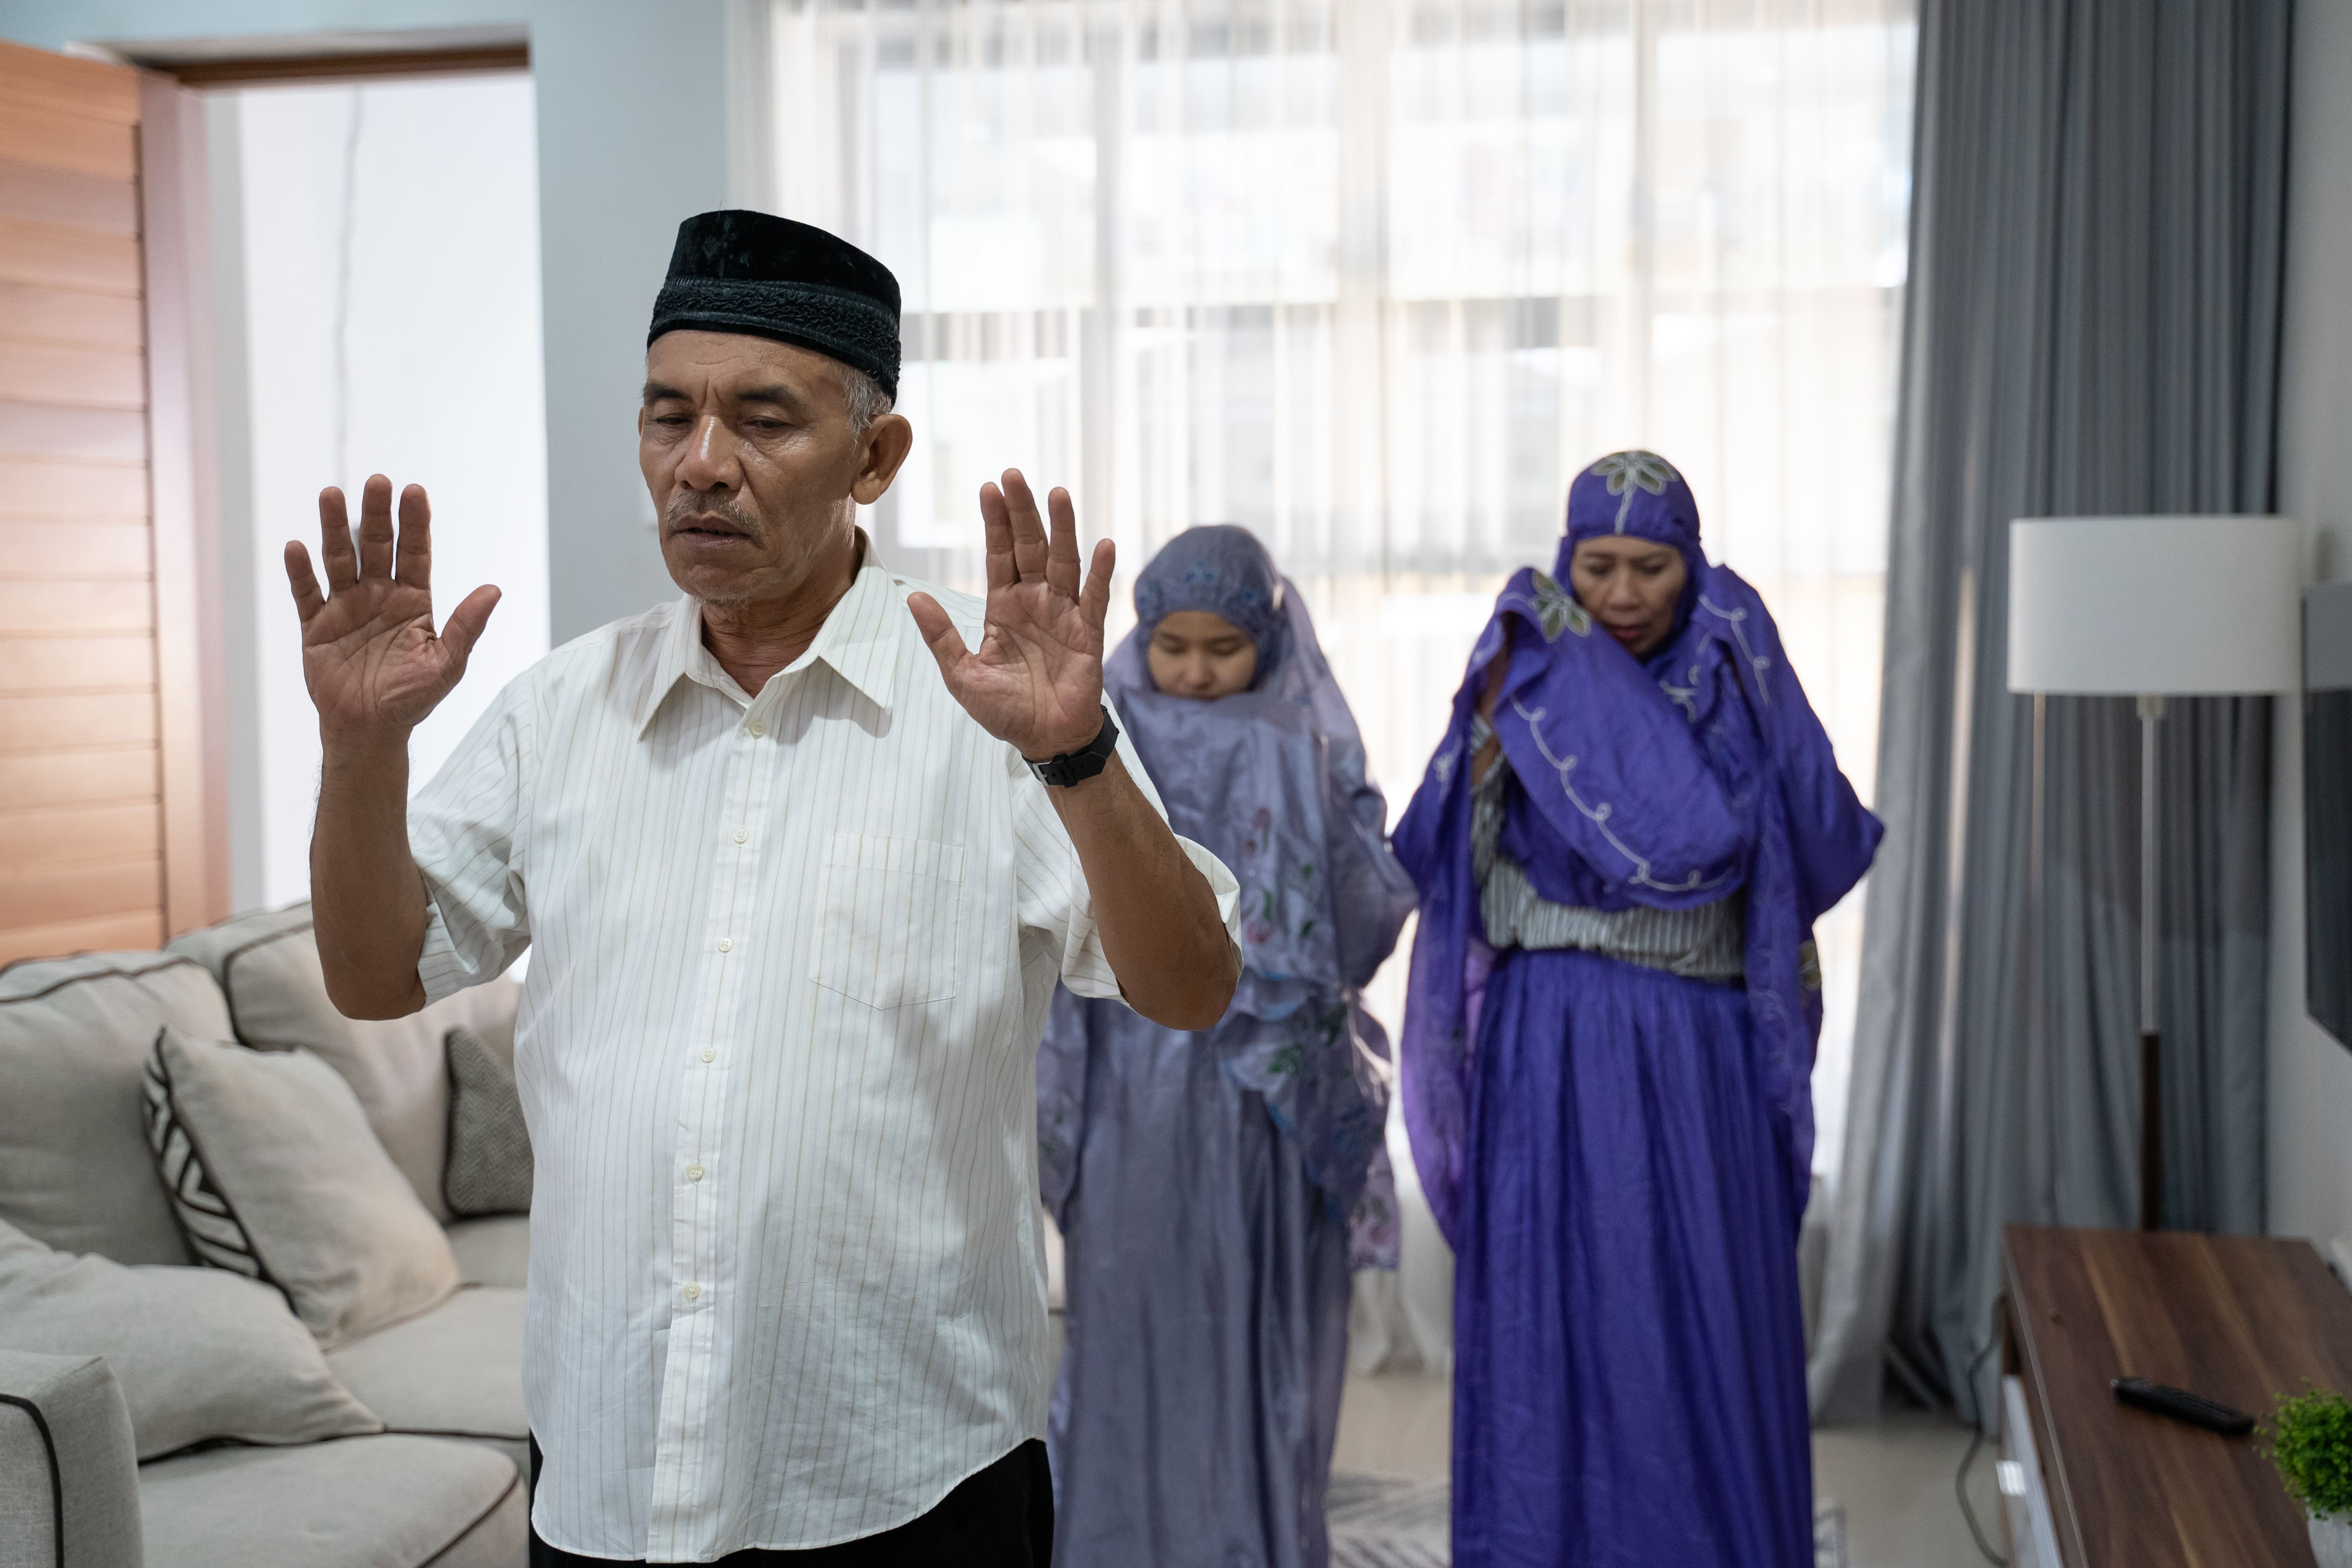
(1373, 278)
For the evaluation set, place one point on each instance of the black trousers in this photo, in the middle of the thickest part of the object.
(1000, 1518)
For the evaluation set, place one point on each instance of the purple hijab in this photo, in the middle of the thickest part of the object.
(1668, 783)
(1272, 782)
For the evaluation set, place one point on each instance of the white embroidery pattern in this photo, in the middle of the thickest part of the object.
(1632, 471)
(1733, 618)
(1553, 609)
(1685, 695)
(1599, 815)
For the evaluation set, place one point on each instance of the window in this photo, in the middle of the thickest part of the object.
(1372, 277)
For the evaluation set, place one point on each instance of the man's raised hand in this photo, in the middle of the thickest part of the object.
(1037, 678)
(375, 664)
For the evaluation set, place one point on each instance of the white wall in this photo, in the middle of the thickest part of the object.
(633, 137)
(2311, 1074)
(409, 347)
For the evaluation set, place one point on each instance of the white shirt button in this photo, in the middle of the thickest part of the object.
(757, 729)
(709, 1055)
(725, 944)
(692, 1291)
(694, 1173)
(742, 835)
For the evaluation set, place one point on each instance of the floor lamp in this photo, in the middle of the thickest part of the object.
(2153, 607)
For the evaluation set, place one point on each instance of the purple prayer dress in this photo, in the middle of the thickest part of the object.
(1620, 1154)
(1205, 1181)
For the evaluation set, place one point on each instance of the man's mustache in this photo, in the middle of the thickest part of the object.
(701, 511)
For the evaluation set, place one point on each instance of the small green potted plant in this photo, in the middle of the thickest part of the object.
(2310, 1441)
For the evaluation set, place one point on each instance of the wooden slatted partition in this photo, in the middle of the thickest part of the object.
(81, 820)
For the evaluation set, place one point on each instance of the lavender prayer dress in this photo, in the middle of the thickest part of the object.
(1619, 1153)
(1215, 1188)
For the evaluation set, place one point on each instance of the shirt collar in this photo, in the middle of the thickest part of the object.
(859, 641)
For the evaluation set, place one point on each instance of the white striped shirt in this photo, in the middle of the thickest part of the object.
(792, 955)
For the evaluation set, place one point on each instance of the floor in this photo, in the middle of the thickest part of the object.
(1893, 1480)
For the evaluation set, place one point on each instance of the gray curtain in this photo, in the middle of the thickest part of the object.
(2091, 327)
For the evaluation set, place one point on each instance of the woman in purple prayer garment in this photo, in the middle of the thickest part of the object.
(1621, 845)
(1214, 1190)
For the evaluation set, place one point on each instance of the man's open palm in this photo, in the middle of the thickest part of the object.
(375, 664)
(1037, 678)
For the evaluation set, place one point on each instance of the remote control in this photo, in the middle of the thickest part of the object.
(2183, 1406)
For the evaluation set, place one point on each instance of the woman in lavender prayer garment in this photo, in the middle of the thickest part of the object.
(1214, 1190)
(1621, 845)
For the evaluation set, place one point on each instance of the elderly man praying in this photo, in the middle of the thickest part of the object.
(800, 856)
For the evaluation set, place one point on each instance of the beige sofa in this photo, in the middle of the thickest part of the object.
(445, 1483)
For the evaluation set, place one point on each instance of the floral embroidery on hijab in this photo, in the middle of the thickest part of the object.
(1628, 471)
(1557, 611)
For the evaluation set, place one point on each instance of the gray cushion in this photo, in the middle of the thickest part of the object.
(489, 1165)
(455, 1372)
(74, 1038)
(494, 1250)
(276, 1174)
(199, 1353)
(75, 1460)
(269, 966)
(362, 1502)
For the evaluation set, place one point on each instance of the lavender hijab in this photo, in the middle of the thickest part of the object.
(1666, 782)
(1272, 781)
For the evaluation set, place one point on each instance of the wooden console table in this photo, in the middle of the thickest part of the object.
(2238, 1319)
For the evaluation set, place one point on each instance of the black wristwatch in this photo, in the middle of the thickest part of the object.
(1076, 767)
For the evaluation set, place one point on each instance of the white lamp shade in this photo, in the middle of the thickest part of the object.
(2175, 607)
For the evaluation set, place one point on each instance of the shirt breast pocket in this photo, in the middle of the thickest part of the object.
(889, 916)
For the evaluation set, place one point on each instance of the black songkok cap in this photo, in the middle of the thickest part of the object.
(772, 277)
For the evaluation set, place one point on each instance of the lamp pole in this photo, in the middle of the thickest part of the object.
(2151, 1055)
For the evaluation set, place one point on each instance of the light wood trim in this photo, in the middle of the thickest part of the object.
(143, 929)
(37, 312)
(75, 608)
(38, 551)
(58, 195)
(93, 435)
(67, 258)
(91, 89)
(191, 676)
(73, 377)
(348, 67)
(80, 723)
(81, 892)
(29, 488)
(36, 664)
(77, 836)
(75, 723)
(78, 778)
(51, 139)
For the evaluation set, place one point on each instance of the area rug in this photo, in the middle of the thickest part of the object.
(1390, 1521)
(1396, 1522)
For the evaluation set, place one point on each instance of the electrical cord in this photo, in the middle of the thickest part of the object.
(1960, 1481)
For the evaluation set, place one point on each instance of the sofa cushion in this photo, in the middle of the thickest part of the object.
(74, 1038)
(489, 1167)
(492, 1250)
(199, 1353)
(268, 967)
(69, 1484)
(275, 1176)
(455, 1372)
(363, 1502)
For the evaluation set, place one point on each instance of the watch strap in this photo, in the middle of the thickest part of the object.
(1076, 767)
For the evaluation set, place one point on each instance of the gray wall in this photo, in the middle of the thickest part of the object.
(2311, 1074)
(633, 136)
